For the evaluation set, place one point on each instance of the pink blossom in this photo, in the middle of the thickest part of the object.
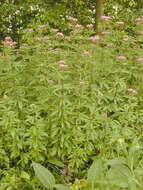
(61, 62)
(94, 38)
(139, 20)
(62, 66)
(71, 19)
(85, 53)
(132, 91)
(42, 27)
(54, 30)
(67, 38)
(110, 45)
(120, 23)
(106, 32)
(89, 25)
(24, 44)
(8, 38)
(30, 30)
(5, 96)
(122, 58)
(140, 59)
(78, 26)
(105, 18)
(50, 81)
(45, 38)
(12, 44)
(37, 39)
(126, 38)
(59, 34)
(64, 172)
(57, 49)
(82, 83)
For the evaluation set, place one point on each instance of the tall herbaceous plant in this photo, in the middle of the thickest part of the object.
(66, 100)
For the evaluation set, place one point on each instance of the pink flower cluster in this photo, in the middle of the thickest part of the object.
(8, 41)
(42, 27)
(85, 53)
(78, 26)
(45, 38)
(122, 58)
(132, 91)
(120, 23)
(59, 34)
(140, 59)
(139, 20)
(94, 38)
(126, 38)
(106, 32)
(62, 64)
(68, 38)
(54, 30)
(105, 18)
(110, 45)
(82, 83)
(71, 19)
(89, 25)
(30, 30)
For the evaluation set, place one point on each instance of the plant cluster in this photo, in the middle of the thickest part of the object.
(69, 100)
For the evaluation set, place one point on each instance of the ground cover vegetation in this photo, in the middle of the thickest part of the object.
(71, 107)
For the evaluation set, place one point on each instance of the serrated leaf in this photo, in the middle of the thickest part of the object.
(61, 187)
(44, 175)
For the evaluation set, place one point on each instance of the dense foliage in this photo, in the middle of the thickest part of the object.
(69, 100)
(16, 15)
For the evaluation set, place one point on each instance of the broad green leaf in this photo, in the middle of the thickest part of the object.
(61, 187)
(94, 172)
(116, 161)
(44, 175)
(119, 175)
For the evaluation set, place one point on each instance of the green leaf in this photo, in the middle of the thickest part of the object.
(94, 172)
(44, 175)
(61, 187)
(25, 175)
(56, 162)
(119, 175)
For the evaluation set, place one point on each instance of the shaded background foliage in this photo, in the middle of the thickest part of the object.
(16, 15)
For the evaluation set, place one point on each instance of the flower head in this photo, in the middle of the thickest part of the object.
(94, 38)
(54, 30)
(8, 38)
(89, 25)
(82, 83)
(78, 26)
(105, 18)
(67, 38)
(122, 58)
(132, 91)
(71, 19)
(59, 34)
(140, 59)
(30, 30)
(120, 23)
(110, 45)
(139, 20)
(42, 27)
(85, 53)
